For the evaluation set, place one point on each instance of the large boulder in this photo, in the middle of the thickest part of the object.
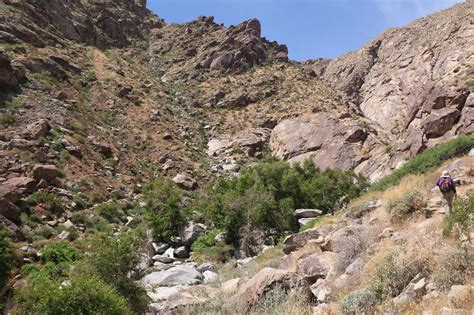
(9, 75)
(36, 129)
(320, 137)
(461, 296)
(268, 279)
(9, 210)
(185, 181)
(45, 172)
(317, 266)
(179, 275)
(191, 232)
(439, 122)
(307, 213)
(298, 240)
(14, 188)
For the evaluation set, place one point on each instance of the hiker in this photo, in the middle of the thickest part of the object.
(448, 189)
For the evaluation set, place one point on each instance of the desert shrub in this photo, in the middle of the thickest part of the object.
(6, 261)
(206, 248)
(462, 216)
(427, 160)
(83, 295)
(455, 267)
(81, 201)
(410, 202)
(111, 259)
(80, 217)
(49, 200)
(392, 276)
(42, 232)
(7, 119)
(163, 207)
(280, 302)
(112, 212)
(265, 195)
(60, 252)
(358, 302)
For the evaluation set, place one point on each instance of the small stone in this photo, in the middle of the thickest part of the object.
(387, 232)
(65, 235)
(167, 136)
(210, 277)
(163, 259)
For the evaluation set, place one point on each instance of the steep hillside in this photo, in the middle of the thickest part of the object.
(117, 126)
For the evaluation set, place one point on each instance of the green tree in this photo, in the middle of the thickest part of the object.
(163, 203)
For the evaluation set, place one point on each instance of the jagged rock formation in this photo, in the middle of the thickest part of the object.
(412, 82)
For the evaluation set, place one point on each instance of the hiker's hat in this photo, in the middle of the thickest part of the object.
(445, 174)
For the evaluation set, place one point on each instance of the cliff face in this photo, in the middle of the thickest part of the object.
(412, 82)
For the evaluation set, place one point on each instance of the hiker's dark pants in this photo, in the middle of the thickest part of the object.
(448, 201)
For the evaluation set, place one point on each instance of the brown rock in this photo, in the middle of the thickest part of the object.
(299, 240)
(268, 279)
(9, 210)
(316, 266)
(12, 228)
(14, 188)
(37, 129)
(461, 296)
(45, 172)
(9, 76)
(440, 121)
(185, 181)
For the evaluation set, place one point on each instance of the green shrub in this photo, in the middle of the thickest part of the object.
(462, 216)
(112, 258)
(410, 202)
(265, 195)
(60, 252)
(49, 200)
(80, 217)
(163, 207)
(427, 160)
(112, 212)
(42, 232)
(83, 295)
(205, 248)
(391, 278)
(454, 268)
(358, 302)
(6, 261)
(7, 119)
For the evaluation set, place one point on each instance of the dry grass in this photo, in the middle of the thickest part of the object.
(270, 258)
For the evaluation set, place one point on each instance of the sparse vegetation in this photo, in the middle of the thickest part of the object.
(50, 201)
(461, 219)
(358, 302)
(112, 212)
(427, 160)
(409, 203)
(393, 276)
(7, 119)
(6, 262)
(454, 267)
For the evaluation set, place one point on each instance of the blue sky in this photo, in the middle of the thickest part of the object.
(310, 28)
